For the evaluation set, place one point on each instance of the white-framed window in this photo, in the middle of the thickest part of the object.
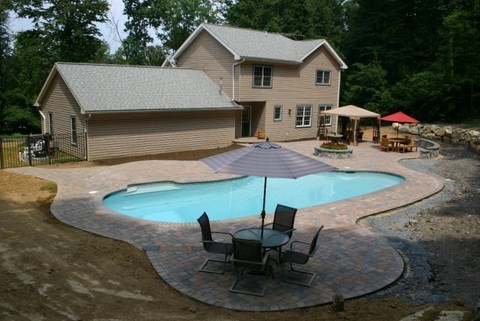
(304, 116)
(73, 130)
(323, 77)
(262, 76)
(277, 113)
(328, 118)
(50, 123)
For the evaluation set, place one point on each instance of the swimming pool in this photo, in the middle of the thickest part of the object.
(234, 198)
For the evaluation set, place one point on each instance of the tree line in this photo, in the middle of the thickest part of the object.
(419, 56)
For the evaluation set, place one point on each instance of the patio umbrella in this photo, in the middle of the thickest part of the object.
(354, 113)
(266, 159)
(399, 117)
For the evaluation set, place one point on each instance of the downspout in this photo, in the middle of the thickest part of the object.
(44, 120)
(338, 97)
(233, 77)
(85, 134)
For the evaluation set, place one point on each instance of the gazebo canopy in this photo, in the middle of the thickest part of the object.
(352, 111)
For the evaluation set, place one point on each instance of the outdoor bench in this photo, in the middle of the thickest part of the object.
(428, 148)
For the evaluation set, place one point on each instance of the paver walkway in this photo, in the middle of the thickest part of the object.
(350, 259)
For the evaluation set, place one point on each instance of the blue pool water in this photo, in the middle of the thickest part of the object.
(183, 203)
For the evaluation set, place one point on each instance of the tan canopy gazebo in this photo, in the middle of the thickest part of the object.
(354, 113)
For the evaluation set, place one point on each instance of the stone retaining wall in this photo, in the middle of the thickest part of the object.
(459, 136)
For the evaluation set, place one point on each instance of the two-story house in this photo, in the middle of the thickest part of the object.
(222, 83)
(282, 84)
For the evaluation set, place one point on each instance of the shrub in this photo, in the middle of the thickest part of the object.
(335, 146)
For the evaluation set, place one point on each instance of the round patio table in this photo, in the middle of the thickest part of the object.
(271, 238)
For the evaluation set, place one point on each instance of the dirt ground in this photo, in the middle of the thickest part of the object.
(51, 271)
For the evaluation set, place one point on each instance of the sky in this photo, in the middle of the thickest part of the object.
(107, 30)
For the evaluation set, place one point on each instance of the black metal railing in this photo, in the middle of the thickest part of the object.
(41, 149)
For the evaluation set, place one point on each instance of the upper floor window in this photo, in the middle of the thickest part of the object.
(327, 121)
(323, 77)
(262, 76)
(73, 130)
(304, 116)
(277, 113)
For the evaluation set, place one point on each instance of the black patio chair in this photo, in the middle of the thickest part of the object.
(283, 221)
(212, 246)
(248, 256)
(296, 257)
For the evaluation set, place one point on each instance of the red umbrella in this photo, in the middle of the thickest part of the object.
(400, 117)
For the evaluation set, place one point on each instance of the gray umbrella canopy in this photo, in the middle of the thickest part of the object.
(266, 159)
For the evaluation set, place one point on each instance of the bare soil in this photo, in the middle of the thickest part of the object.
(51, 271)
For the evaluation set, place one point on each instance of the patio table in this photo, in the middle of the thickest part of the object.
(271, 238)
(334, 137)
(396, 142)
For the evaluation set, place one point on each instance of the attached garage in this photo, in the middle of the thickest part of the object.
(136, 110)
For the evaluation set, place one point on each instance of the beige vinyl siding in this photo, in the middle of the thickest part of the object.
(60, 102)
(205, 53)
(130, 134)
(293, 85)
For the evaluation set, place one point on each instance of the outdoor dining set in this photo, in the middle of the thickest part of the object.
(398, 144)
(249, 249)
(248, 252)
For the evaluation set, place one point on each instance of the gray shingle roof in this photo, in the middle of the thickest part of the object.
(249, 43)
(259, 45)
(103, 88)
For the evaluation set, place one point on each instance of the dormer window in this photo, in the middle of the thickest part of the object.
(323, 77)
(262, 76)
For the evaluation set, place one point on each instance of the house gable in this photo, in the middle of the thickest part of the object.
(258, 45)
(207, 54)
(59, 101)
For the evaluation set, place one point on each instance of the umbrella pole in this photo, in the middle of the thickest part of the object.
(263, 208)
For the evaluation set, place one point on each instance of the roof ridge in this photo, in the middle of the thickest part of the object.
(125, 66)
(249, 29)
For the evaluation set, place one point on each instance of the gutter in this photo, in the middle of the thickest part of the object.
(338, 97)
(236, 107)
(44, 119)
(233, 77)
(85, 133)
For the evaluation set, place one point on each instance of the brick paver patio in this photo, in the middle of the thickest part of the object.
(350, 260)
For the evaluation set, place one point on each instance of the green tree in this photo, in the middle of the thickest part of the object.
(302, 19)
(28, 67)
(367, 87)
(68, 27)
(401, 34)
(168, 22)
(458, 56)
(4, 57)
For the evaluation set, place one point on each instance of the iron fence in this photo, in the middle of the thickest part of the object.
(41, 149)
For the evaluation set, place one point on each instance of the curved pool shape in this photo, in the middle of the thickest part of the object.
(234, 198)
